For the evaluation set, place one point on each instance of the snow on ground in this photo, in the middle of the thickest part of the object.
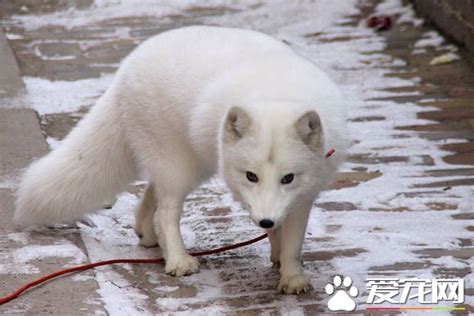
(405, 13)
(383, 238)
(48, 97)
(103, 10)
(21, 261)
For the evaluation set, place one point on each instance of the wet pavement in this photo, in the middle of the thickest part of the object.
(401, 207)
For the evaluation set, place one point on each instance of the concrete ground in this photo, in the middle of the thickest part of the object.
(72, 54)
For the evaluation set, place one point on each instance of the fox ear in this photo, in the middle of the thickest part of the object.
(236, 124)
(308, 128)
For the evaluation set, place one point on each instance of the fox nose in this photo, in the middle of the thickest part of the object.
(266, 223)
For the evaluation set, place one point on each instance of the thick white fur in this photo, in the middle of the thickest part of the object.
(165, 114)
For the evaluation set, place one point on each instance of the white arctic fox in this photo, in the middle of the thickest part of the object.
(183, 105)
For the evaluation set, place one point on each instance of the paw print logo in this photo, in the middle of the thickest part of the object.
(342, 293)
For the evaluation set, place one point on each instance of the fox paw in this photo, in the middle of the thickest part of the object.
(147, 236)
(275, 259)
(294, 284)
(185, 265)
(148, 242)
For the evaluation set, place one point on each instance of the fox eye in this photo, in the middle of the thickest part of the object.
(287, 178)
(252, 177)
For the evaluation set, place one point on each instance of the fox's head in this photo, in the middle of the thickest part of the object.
(273, 160)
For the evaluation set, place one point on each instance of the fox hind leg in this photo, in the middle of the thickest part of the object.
(144, 227)
(175, 172)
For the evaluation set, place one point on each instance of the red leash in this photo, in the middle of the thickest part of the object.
(84, 267)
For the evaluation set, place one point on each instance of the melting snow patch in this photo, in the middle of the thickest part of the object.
(449, 262)
(53, 143)
(48, 97)
(13, 36)
(119, 296)
(21, 261)
(167, 289)
(9, 182)
(55, 57)
(430, 39)
(21, 238)
(208, 288)
(35, 252)
(83, 277)
(405, 13)
(101, 11)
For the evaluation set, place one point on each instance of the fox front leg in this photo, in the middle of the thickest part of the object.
(292, 280)
(275, 241)
(166, 221)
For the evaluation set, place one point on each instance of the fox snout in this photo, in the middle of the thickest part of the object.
(266, 222)
(266, 216)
